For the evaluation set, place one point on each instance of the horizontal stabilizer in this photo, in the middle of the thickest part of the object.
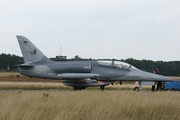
(78, 75)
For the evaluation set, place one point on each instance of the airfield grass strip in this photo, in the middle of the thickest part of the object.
(58, 86)
(89, 105)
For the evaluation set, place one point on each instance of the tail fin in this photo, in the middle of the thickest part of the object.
(30, 52)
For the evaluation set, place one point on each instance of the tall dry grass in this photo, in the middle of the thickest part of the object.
(60, 86)
(89, 105)
(10, 74)
(32, 86)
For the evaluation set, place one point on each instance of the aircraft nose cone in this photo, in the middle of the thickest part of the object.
(164, 78)
(142, 75)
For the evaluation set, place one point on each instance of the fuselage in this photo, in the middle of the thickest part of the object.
(106, 72)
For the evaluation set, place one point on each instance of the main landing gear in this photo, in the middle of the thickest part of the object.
(102, 87)
(153, 88)
(79, 88)
(83, 88)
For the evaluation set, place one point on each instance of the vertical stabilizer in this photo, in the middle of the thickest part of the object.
(29, 51)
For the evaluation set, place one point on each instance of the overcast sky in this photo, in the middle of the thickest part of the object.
(120, 29)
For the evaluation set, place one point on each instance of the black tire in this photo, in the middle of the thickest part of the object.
(102, 87)
(75, 88)
(153, 88)
(136, 89)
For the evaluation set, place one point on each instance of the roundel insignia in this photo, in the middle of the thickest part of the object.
(33, 51)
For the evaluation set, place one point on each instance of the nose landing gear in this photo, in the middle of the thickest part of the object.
(138, 88)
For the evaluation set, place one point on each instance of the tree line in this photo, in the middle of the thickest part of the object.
(8, 62)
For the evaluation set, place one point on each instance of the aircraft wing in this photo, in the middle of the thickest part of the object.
(77, 75)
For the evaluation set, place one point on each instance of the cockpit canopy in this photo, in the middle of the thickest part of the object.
(117, 64)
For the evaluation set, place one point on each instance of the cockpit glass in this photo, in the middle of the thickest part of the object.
(105, 62)
(118, 64)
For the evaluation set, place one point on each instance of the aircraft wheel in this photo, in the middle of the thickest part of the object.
(102, 87)
(153, 88)
(83, 88)
(76, 88)
(79, 88)
(136, 89)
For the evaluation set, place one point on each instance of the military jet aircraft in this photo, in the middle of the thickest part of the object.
(80, 74)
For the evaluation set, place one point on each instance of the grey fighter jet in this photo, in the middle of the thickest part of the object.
(80, 74)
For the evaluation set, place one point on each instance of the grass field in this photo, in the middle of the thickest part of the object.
(9, 74)
(22, 98)
(89, 105)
